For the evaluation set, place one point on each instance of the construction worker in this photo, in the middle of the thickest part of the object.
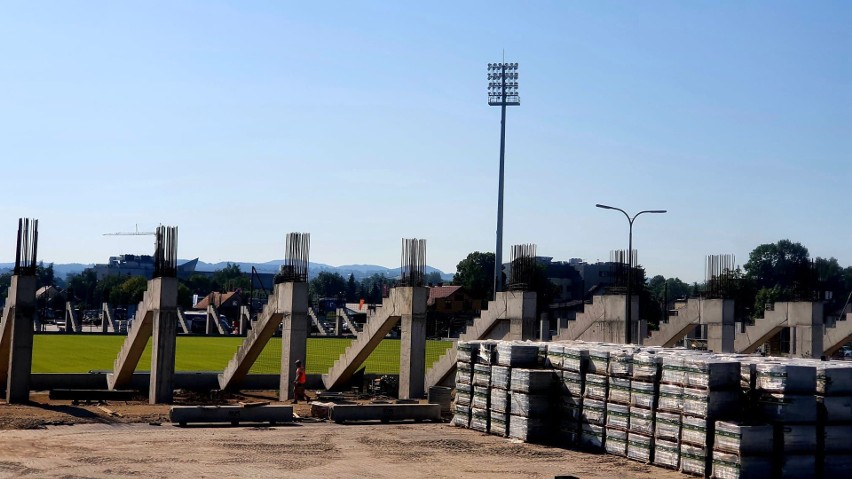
(299, 383)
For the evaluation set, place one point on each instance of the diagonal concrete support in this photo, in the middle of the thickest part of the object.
(837, 335)
(293, 301)
(16, 338)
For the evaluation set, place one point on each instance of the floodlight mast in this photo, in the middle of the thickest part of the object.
(501, 93)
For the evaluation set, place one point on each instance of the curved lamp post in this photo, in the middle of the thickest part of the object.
(628, 320)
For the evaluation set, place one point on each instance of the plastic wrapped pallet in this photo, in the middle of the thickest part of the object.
(575, 358)
(499, 423)
(529, 405)
(838, 438)
(481, 375)
(568, 434)
(481, 398)
(647, 366)
(787, 377)
(616, 441)
(621, 363)
(693, 459)
(594, 411)
(667, 426)
(798, 466)
(641, 420)
(711, 404)
(467, 351)
(748, 373)
(617, 416)
(834, 379)
(571, 412)
(592, 436)
(796, 438)
(787, 408)
(670, 398)
(643, 394)
(532, 381)
(733, 466)
(599, 360)
(517, 355)
(530, 429)
(672, 371)
(666, 453)
(464, 373)
(695, 430)
(500, 377)
(555, 355)
(743, 439)
(837, 465)
(487, 352)
(639, 447)
(499, 400)
(464, 394)
(572, 383)
(619, 390)
(709, 373)
(596, 386)
(836, 408)
(462, 416)
(479, 419)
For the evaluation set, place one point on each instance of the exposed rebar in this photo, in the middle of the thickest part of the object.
(296, 259)
(720, 275)
(523, 266)
(413, 262)
(25, 254)
(165, 252)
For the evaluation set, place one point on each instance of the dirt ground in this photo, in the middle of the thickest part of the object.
(56, 439)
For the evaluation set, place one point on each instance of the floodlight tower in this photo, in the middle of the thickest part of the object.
(502, 92)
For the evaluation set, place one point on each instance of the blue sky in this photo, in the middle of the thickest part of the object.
(366, 122)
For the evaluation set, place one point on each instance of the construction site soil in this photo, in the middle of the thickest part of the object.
(134, 439)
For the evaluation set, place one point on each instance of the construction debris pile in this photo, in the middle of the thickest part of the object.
(726, 416)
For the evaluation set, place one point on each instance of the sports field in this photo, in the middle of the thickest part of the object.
(79, 353)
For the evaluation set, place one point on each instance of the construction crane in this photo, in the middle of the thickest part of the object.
(132, 233)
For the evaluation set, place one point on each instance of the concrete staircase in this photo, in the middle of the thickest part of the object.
(836, 336)
(763, 329)
(137, 338)
(263, 329)
(443, 371)
(106, 317)
(213, 317)
(317, 323)
(347, 320)
(72, 323)
(677, 326)
(182, 322)
(375, 330)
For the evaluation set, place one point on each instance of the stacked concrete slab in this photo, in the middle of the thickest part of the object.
(834, 401)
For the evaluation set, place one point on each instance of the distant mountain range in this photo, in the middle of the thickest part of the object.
(360, 271)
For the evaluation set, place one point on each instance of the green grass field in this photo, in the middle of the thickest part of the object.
(57, 353)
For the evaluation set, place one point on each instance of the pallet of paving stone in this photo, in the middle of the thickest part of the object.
(481, 398)
(787, 408)
(597, 386)
(461, 418)
(642, 420)
(647, 366)
(499, 423)
(670, 398)
(786, 378)
(530, 405)
(672, 370)
(744, 439)
(667, 426)
(598, 360)
(666, 453)
(620, 363)
(501, 377)
(835, 409)
(617, 416)
(571, 412)
(696, 431)
(530, 429)
(644, 394)
(481, 375)
(464, 373)
(616, 441)
(711, 404)
(619, 390)
(555, 355)
(532, 381)
(568, 434)
(572, 384)
(517, 355)
(575, 358)
(640, 447)
(728, 465)
(480, 419)
(837, 438)
(834, 379)
(487, 352)
(594, 411)
(693, 459)
(592, 436)
(464, 394)
(499, 401)
(710, 373)
(796, 438)
(796, 466)
(836, 465)
(467, 351)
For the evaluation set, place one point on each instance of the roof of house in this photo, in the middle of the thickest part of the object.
(217, 299)
(441, 292)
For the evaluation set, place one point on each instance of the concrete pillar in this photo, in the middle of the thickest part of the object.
(163, 294)
(807, 328)
(412, 347)
(718, 316)
(338, 325)
(244, 319)
(293, 303)
(520, 309)
(22, 291)
(544, 327)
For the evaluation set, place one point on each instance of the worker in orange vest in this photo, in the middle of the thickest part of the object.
(299, 383)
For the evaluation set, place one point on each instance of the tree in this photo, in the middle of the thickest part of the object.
(779, 264)
(327, 285)
(476, 274)
(230, 278)
(434, 278)
(351, 289)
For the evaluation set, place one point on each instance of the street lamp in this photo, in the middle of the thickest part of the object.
(628, 319)
(502, 92)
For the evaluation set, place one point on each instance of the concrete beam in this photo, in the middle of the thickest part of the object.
(273, 414)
